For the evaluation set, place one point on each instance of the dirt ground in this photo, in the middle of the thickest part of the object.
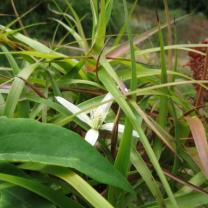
(192, 29)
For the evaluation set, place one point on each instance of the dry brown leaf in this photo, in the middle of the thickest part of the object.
(200, 140)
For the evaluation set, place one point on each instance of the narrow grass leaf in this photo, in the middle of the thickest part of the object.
(54, 196)
(99, 37)
(74, 180)
(110, 85)
(87, 191)
(11, 60)
(13, 196)
(146, 174)
(16, 90)
(122, 161)
(192, 200)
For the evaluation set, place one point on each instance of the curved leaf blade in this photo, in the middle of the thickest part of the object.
(25, 140)
(54, 196)
(199, 136)
(21, 198)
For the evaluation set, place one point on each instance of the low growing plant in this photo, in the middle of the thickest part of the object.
(85, 124)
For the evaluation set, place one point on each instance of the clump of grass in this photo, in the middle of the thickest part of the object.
(140, 121)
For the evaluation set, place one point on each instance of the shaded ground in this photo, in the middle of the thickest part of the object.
(192, 29)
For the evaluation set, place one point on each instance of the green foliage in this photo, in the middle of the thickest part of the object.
(52, 145)
(44, 160)
(43, 14)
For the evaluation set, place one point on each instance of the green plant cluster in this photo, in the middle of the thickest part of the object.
(43, 13)
(99, 128)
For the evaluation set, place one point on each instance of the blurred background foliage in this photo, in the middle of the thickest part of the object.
(43, 13)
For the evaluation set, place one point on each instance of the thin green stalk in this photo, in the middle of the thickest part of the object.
(125, 145)
(169, 37)
(164, 102)
(123, 28)
(122, 161)
(56, 90)
(111, 87)
(123, 155)
(163, 108)
(175, 53)
(155, 162)
(11, 60)
(147, 176)
(2, 103)
(86, 191)
(99, 37)
(176, 124)
(78, 25)
(177, 142)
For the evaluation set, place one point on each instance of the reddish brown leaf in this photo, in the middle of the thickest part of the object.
(199, 66)
(200, 140)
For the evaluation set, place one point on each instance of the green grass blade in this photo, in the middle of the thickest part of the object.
(110, 85)
(99, 37)
(73, 32)
(16, 90)
(94, 10)
(11, 60)
(192, 200)
(54, 196)
(146, 174)
(122, 161)
(78, 25)
(89, 193)
(163, 112)
(74, 180)
(163, 105)
(2, 104)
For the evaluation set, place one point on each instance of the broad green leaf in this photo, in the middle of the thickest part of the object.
(11, 193)
(36, 187)
(25, 140)
(77, 182)
(20, 198)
